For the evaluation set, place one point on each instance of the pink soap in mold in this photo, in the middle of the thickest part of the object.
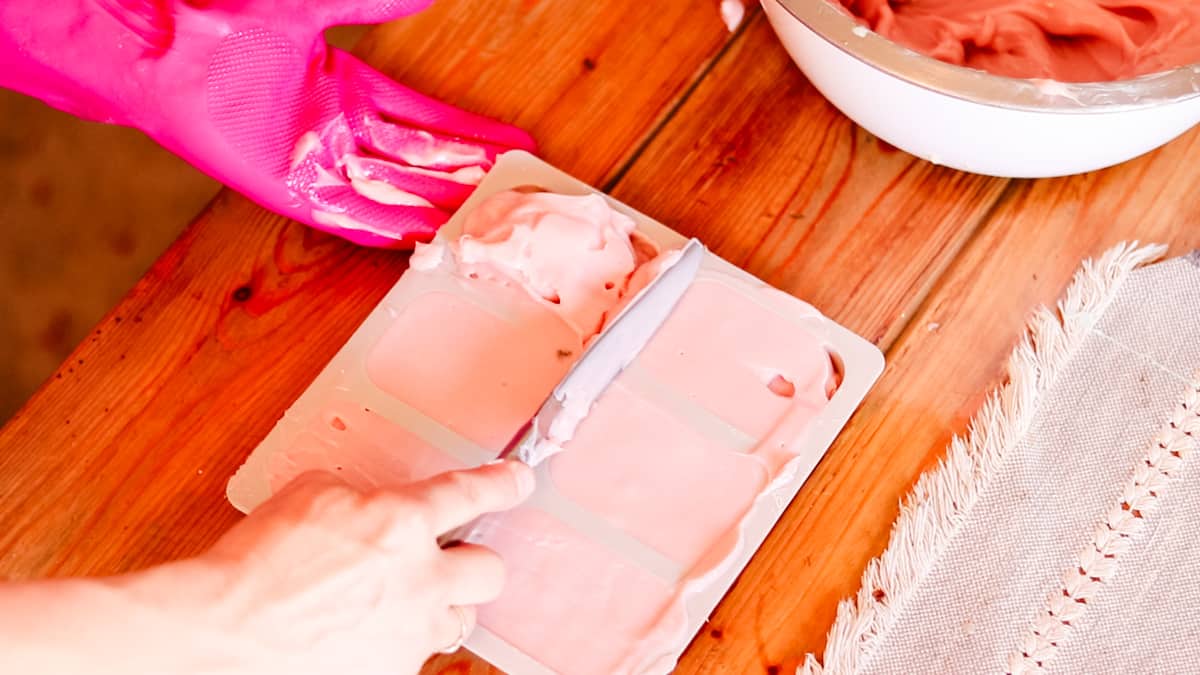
(755, 369)
(650, 474)
(573, 604)
(360, 447)
(639, 465)
(480, 372)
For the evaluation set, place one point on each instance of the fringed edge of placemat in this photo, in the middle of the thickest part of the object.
(932, 513)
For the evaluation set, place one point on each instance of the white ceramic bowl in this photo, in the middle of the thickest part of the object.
(973, 121)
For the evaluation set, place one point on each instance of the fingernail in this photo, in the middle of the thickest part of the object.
(526, 482)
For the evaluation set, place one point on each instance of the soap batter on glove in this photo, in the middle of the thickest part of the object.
(249, 92)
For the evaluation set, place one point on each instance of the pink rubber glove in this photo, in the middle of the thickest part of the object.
(249, 92)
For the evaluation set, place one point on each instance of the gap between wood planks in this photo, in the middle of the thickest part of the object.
(638, 147)
(897, 335)
(894, 333)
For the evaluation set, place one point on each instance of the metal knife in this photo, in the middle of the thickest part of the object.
(609, 353)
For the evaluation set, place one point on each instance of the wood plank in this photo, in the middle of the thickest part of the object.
(951, 354)
(120, 460)
(773, 178)
(588, 79)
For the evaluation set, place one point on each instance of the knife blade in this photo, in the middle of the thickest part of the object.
(609, 353)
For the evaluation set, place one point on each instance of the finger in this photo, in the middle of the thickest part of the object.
(343, 212)
(451, 625)
(379, 179)
(474, 574)
(417, 109)
(456, 498)
(418, 147)
(364, 208)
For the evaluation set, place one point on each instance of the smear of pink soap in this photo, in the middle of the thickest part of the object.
(574, 252)
(573, 604)
(726, 351)
(658, 479)
(360, 447)
(475, 372)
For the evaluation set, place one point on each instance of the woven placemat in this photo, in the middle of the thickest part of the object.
(1062, 534)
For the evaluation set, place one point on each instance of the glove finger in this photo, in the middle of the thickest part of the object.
(349, 215)
(365, 12)
(346, 191)
(379, 180)
(428, 149)
(415, 109)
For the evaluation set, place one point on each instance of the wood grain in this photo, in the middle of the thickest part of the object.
(590, 80)
(951, 354)
(120, 461)
(767, 173)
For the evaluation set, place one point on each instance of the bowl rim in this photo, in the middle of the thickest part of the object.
(840, 29)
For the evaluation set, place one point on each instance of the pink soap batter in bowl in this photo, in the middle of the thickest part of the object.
(1014, 88)
(1064, 40)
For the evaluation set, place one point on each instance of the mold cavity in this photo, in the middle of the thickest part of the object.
(337, 423)
(781, 386)
(554, 299)
(608, 285)
(839, 372)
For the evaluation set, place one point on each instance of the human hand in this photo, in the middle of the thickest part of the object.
(324, 578)
(321, 578)
(249, 92)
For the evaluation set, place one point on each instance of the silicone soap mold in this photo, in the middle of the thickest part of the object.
(642, 523)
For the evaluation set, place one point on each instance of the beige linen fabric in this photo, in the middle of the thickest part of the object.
(1063, 535)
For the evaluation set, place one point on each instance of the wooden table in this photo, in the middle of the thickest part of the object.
(120, 460)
